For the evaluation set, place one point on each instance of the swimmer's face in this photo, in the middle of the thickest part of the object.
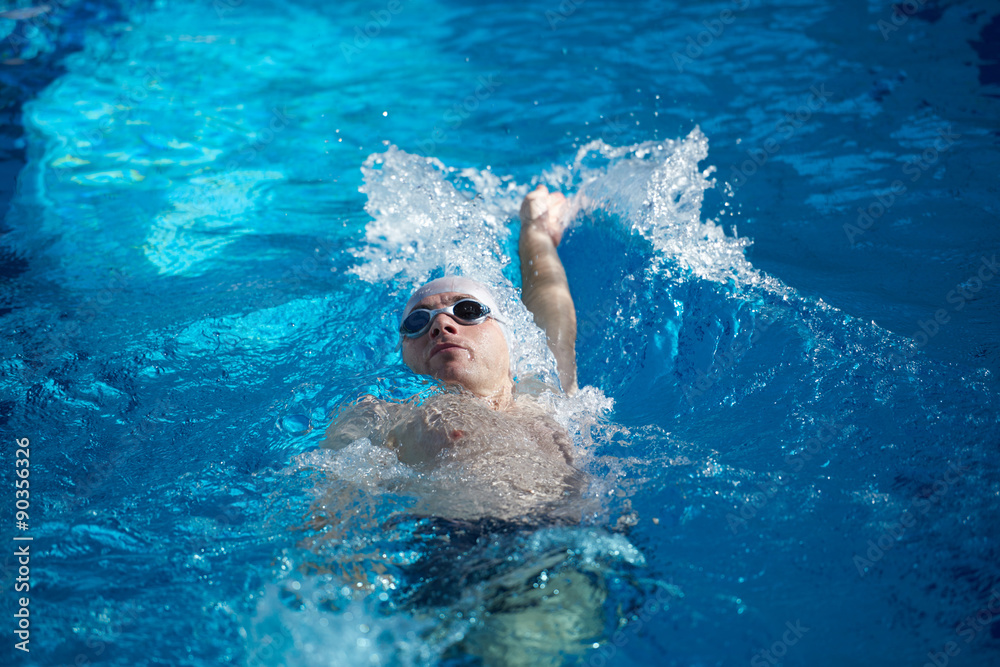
(472, 355)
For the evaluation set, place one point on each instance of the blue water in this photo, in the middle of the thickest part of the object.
(783, 271)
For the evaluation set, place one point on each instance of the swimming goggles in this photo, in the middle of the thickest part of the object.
(466, 311)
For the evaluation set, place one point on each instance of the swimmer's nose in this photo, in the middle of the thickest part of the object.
(443, 324)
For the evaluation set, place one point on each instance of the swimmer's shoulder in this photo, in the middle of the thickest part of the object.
(368, 417)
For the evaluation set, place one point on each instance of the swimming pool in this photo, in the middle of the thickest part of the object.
(785, 279)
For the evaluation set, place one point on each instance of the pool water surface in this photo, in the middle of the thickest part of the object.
(784, 268)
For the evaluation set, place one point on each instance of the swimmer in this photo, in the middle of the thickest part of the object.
(511, 460)
(493, 463)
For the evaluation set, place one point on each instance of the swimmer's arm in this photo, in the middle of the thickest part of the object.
(368, 418)
(544, 287)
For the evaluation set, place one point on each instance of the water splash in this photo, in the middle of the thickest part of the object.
(315, 621)
(431, 220)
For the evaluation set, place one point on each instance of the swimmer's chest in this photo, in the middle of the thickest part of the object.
(456, 430)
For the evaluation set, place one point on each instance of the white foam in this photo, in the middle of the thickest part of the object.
(423, 222)
(360, 462)
(657, 189)
(309, 632)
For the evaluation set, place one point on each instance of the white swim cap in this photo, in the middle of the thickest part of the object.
(458, 284)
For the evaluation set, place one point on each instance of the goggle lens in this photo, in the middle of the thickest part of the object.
(469, 310)
(417, 320)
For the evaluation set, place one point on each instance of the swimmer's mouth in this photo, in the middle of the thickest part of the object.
(444, 346)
